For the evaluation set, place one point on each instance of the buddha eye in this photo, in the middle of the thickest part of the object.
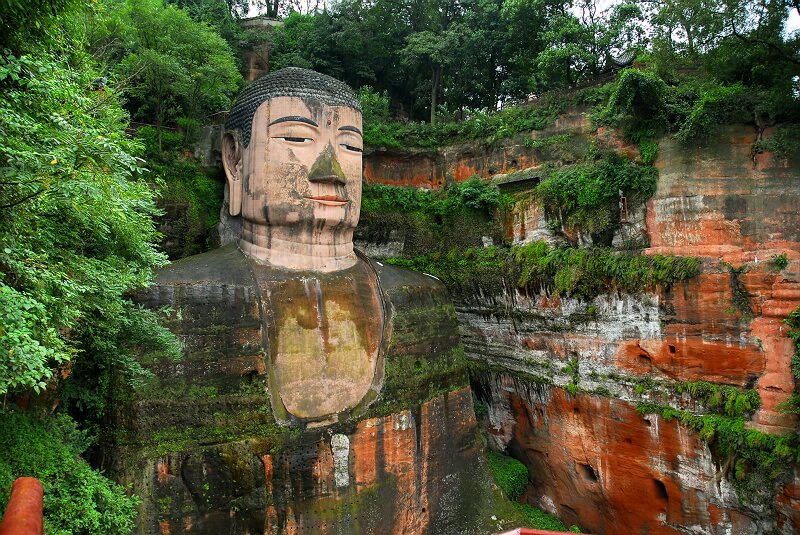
(351, 147)
(296, 139)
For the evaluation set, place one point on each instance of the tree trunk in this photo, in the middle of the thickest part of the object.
(436, 79)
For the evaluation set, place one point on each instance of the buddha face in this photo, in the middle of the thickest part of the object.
(302, 168)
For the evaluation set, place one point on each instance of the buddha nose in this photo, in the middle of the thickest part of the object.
(327, 169)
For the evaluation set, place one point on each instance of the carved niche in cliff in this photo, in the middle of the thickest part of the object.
(319, 391)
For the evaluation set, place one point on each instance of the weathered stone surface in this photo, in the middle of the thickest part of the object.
(595, 462)
(592, 457)
(720, 201)
(411, 472)
(203, 447)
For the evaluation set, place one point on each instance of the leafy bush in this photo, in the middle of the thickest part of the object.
(726, 399)
(77, 499)
(374, 105)
(716, 105)
(510, 474)
(538, 519)
(636, 100)
(76, 223)
(489, 127)
(585, 195)
(457, 216)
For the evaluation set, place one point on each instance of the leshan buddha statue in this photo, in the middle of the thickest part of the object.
(320, 391)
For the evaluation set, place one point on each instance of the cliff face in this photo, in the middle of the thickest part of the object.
(411, 472)
(203, 445)
(564, 377)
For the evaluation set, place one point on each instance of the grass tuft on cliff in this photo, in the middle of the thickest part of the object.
(512, 477)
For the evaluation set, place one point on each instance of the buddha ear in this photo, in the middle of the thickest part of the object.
(232, 163)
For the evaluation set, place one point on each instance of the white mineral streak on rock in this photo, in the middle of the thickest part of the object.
(340, 446)
(546, 503)
(403, 421)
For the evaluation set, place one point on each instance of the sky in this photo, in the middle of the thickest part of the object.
(792, 25)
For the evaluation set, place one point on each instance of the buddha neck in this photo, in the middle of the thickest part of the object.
(288, 248)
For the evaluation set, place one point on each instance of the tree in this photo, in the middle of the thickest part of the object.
(168, 65)
(581, 47)
(436, 50)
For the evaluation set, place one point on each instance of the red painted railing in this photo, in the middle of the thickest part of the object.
(23, 515)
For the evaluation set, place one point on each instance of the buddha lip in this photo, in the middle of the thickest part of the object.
(328, 200)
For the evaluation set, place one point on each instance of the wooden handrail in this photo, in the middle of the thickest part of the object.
(23, 515)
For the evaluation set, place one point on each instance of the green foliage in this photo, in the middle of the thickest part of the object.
(754, 460)
(77, 499)
(779, 261)
(166, 64)
(473, 194)
(488, 127)
(727, 400)
(637, 98)
(644, 106)
(792, 405)
(586, 195)
(77, 227)
(457, 216)
(25, 22)
(510, 474)
(192, 194)
(716, 105)
(572, 369)
(374, 105)
(538, 519)
(534, 267)
(782, 142)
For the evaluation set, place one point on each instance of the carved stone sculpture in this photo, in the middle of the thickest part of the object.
(320, 392)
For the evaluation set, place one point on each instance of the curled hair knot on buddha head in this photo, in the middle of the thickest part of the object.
(288, 82)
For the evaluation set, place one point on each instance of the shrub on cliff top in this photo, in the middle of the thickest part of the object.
(585, 196)
(489, 127)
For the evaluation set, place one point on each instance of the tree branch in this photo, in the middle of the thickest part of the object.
(24, 199)
(755, 41)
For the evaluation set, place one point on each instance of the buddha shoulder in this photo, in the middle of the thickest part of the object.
(222, 265)
(410, 289)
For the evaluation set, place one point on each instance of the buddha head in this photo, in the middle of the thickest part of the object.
(292, 158)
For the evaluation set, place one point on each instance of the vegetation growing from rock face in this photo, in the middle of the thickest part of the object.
(191, 196)
(512, 477)
(538, 267)
(488, 127)
(458, 216)
(792, 405)
(753, 460)
(585, 196)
